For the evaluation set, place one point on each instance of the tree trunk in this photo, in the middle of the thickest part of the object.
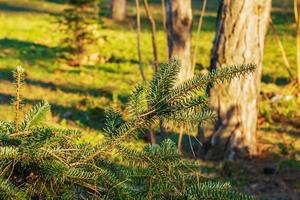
(179, 27)
(179, 31)
(118, 10)
(241, 30)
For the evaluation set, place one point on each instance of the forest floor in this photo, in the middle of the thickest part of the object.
(29, 37)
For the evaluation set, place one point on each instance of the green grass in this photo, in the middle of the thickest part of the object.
(79, 95)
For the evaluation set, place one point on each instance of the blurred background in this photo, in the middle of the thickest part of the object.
(80, 84)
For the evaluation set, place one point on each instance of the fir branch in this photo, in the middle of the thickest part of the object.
(201, 81)
(214, 190)
(10, 192)
(162, 82)
(187, 103)
(47, 162)
(207, 115)
(36, 115)
(137, 101)
(18, 76)
(8, 152)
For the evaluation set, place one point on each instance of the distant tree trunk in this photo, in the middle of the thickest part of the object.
(241, 30)
(179, 27)
(118, 10)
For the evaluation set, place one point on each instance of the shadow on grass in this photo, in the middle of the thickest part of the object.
(28, 51)
(93, 118)
(58, 1)
(7, 74)
(71, 89)
(281, 130)
(10, 7)
(280, 81)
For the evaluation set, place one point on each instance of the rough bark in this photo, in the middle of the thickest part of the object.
(241, 30)
(179, 31)
(118, 10)
(179, 27)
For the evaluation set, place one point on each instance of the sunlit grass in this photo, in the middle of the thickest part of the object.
(79, 95)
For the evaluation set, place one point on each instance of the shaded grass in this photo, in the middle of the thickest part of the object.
(29, 37)
(30, 6)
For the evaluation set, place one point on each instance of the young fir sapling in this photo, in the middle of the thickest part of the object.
(41, 161)
(79, 23)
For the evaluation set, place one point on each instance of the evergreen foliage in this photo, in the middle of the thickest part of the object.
(40, 161)
(78, 24)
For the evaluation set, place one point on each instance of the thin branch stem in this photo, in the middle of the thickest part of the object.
(200, 22)
(179, 145)
(164, 22)
(296, 11)
(18, 84)
(153, 33)
(138, 23)
(285, 59)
